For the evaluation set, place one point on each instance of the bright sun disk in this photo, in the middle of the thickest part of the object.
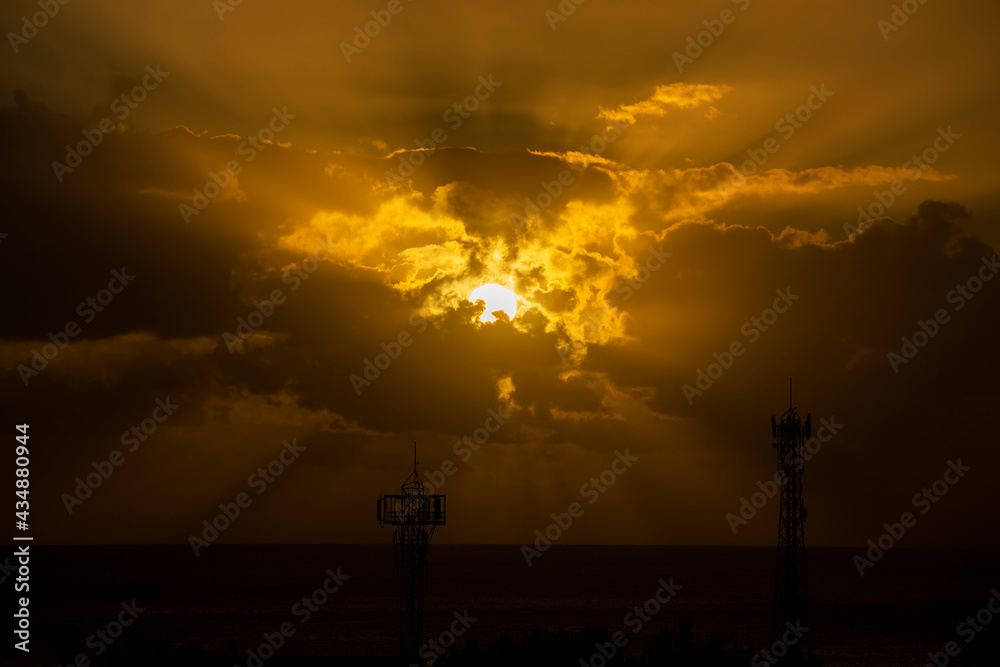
(497, 297)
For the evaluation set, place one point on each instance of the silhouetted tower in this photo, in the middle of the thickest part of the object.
(415, 515)
(791, 586)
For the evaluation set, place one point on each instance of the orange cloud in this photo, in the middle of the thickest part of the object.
(665, 98)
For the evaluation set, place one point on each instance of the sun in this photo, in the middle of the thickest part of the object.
(497, 297)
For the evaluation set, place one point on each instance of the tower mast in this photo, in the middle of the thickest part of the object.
(415, 516)
(791, 585)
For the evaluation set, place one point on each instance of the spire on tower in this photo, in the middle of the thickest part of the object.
(415, 515)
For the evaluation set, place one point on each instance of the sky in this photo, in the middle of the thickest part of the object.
(235, 235)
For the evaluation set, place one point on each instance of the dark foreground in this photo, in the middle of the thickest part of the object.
(217, 608)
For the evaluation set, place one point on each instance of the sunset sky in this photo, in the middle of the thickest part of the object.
(642, 196)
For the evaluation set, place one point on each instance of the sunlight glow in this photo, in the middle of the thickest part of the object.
(497, 297)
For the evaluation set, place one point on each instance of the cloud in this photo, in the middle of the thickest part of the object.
(697, 192)
(664, 99)
(609, 330)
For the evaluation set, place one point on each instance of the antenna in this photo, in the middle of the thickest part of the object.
(791, 583)
(415, 514)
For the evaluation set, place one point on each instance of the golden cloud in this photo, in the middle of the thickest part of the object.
(670, 96)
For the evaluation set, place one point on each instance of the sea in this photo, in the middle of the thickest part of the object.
(906, 605)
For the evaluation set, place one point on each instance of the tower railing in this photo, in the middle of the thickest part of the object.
(415, 515)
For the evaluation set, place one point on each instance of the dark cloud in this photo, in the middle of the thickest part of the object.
(609, 329)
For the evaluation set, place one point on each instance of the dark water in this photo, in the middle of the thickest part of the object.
(909, 603)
